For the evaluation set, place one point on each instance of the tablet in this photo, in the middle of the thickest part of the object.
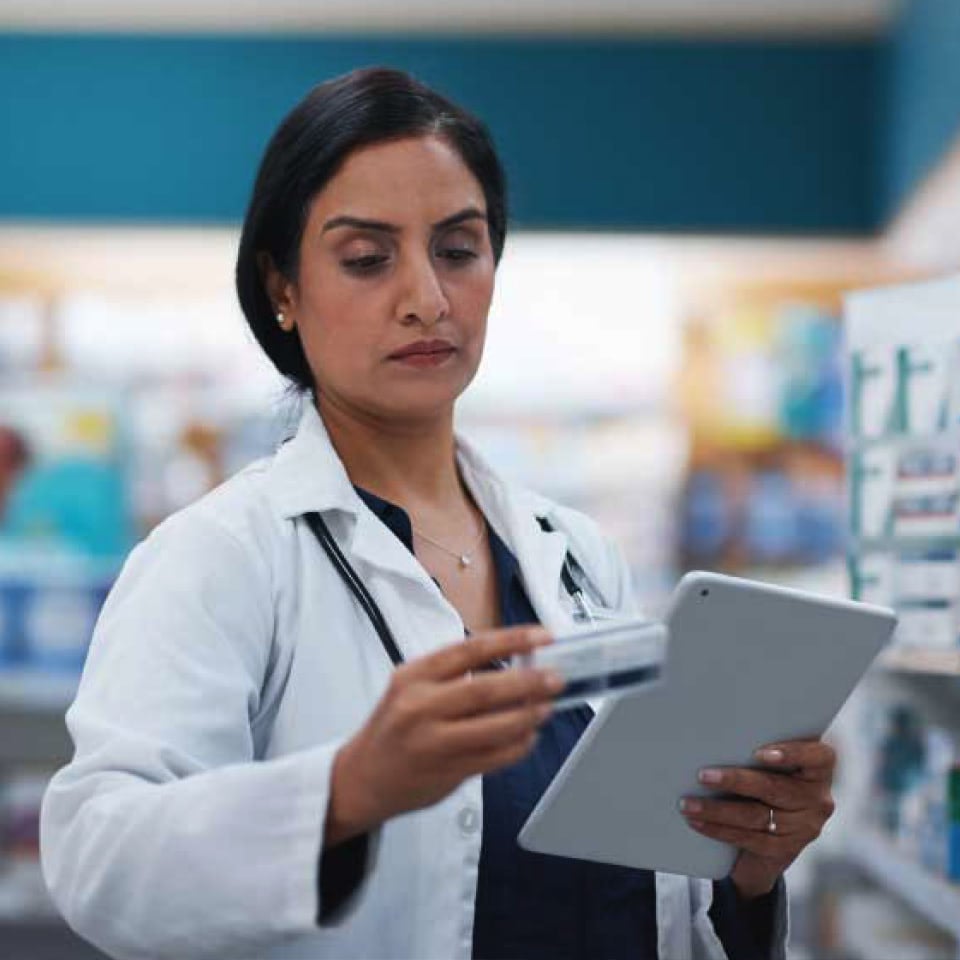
(747, 664)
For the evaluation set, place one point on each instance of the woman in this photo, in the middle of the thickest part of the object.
(266, 769)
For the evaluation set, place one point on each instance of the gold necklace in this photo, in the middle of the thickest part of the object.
(464, 558)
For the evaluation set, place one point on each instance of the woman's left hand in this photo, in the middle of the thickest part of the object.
(778, 809)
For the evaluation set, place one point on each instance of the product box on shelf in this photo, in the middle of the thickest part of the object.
(930, 625)
(927, 594)
(873, 391)
(924, 372)
(916, 799)
(49, 604)
(953, 807)
(923, 575)
(905, 389)
(926, 516)
(14, 593)
(872, 577)
(23, 893)
(873, 483)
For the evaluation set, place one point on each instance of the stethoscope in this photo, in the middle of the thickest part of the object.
(574, 579)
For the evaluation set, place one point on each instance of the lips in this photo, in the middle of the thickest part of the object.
(423, 348)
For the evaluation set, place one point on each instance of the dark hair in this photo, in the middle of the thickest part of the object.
(309, 147)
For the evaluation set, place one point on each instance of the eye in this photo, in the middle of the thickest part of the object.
(456, 254)
(369, 263)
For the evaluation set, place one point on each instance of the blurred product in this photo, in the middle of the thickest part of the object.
(900, 763)
(762, 393)
(71, 496)
(873, 388)
(953, 823)
(23, 892)
(14, 459)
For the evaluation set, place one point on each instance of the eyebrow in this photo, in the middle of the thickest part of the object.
(468, 213)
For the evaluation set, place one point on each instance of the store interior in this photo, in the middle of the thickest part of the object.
(726, 325)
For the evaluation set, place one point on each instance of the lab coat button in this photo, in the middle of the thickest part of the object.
(469, 820)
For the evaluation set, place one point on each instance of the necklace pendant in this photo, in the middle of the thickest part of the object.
(465, 561)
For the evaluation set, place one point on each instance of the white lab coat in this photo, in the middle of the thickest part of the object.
(228, 666)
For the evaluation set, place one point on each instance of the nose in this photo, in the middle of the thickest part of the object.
(423, 299)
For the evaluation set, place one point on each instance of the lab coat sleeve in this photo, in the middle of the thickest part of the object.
(748, 929)
(163, 837)
(710, 943)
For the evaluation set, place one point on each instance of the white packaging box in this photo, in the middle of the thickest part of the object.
(927, 516)
(875, 379)
(874, 575)
(933, 628)
(928, 469)
(952, 352)
(875, 481)
(926, 383)
(929, 575)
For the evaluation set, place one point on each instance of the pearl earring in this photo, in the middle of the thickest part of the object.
(281, 320)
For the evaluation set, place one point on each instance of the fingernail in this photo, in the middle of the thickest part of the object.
(696, 824)
(688, 805)
(770, 755)
(553, 681)
(544, 711)
(711, 775)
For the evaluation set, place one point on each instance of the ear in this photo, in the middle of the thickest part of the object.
(280, 290)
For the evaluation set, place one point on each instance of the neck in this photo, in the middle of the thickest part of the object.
(412, 464)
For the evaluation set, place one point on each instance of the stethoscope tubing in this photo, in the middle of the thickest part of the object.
(372, 609)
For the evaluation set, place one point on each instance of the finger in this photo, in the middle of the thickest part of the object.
(770, 847)
(497, 731)
(813, 759)
(497, 758)
(455, 659)
(739, 814)
(772, 789)
(487, 692)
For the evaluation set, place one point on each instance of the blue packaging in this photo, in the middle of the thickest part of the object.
(58, 623)
(953, 852)
(14, 599)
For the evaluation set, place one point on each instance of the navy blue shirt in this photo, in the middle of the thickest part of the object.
(531, 905)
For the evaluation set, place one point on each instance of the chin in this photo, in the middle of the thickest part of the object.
(420, 404)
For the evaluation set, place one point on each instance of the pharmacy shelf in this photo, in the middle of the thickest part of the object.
(932, 897)
(888, 544)
(29, 689)
(921, 660)
(897, 441)
(872, 926)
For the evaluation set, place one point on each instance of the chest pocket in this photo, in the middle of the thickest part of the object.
(585, 601)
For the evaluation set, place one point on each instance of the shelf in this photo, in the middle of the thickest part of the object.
(34, 690)
(934, 898)
(887, 544)
(875, 926)
(921, 660)
(903, 440)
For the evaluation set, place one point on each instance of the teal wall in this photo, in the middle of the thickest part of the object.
(921, 80)
(660, 135)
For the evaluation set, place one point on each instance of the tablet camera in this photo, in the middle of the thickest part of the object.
(705, 592)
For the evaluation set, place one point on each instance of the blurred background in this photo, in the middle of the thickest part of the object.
(697, 186)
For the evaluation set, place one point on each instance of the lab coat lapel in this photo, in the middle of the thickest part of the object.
(513, 513)
(308, 475)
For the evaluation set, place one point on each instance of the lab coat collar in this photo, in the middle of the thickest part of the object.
(308, 475)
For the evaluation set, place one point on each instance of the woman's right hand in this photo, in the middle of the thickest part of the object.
(437, 724)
